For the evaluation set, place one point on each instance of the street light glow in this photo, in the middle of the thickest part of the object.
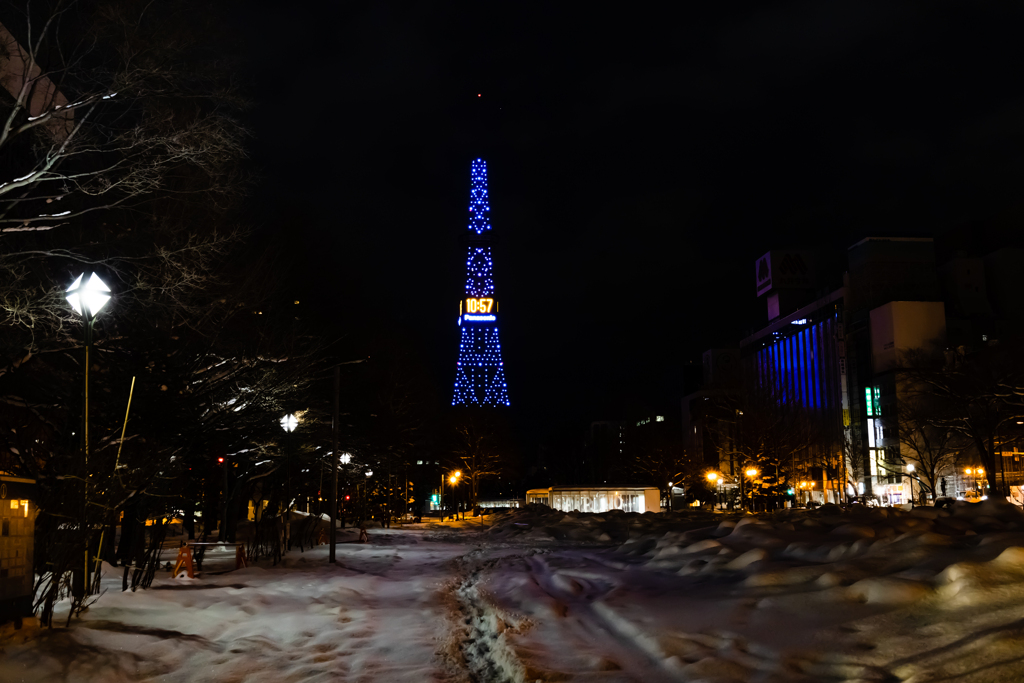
(751, 472)
(369, 473)
(910, 467)
(345, 458)
(89, 298)
(712, 476)
(289, 422)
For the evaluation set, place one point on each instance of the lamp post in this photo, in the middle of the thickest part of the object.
(345, 459)
(751, 473)
(366, 493)
(453, 480)
(288, 423)
(713, 478)
(87, 298)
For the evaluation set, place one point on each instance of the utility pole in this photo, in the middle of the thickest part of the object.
(334, 466)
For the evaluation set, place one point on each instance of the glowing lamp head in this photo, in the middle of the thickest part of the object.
(910, 467)
(89, 297)
(979, 471)
(751, 472)
(967, 470)
(369, 473)
(452, 479)
(712, 476)
(457, 474)
(345, 458)
(289, 423)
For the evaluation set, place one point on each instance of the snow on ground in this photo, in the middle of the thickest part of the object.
(825, 595)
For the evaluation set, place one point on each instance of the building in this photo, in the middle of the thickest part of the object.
(703, 413)
(598, 498)
(480, 371)
(834, 351)
(834, 344)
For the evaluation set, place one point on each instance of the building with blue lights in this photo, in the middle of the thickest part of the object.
(480, 371)
(831, 348)
(838, 335)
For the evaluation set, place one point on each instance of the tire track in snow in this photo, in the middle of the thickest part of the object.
(671, 655)
(593, 629)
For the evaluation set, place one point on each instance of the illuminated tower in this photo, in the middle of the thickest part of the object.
(480, 374)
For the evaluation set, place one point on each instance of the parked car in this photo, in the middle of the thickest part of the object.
(944, 502)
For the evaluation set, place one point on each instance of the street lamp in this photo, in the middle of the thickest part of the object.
(453, 479)
(751, 473)
(289, 422)
(713, 478)
(87, 298)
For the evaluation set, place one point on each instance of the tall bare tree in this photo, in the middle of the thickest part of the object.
(932, 448)
(979, 394)
(766, 430)
(480, 443)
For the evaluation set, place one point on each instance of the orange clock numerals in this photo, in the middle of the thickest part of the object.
(484, 305)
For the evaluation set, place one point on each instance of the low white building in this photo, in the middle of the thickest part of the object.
(598, 498)
(500, 503)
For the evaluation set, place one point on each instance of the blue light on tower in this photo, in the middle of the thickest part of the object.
(480, 372)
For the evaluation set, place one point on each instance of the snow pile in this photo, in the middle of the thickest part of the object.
(860, 594)
(870, 555)
(541, 524)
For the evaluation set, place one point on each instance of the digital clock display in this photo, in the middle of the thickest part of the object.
(482, 305)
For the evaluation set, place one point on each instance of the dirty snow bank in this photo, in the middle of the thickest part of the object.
(800, 596)
(539, 523)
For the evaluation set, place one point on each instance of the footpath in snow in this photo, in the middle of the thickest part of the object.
(825, 595)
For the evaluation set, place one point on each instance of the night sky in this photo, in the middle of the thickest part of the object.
(639, 162)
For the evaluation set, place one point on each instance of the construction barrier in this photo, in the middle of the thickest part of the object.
(185, 559)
